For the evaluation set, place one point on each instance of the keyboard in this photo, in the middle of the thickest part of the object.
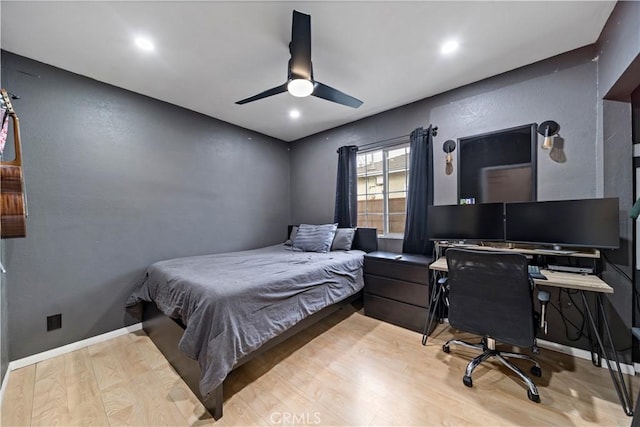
(534, 272)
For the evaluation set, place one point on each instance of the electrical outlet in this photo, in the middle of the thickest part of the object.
(54, 322)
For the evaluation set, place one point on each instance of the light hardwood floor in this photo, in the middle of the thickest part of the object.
(347, 370)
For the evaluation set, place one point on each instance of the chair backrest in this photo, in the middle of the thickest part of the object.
(490, 294)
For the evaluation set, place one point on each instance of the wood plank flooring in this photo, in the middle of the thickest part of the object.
(346, 370)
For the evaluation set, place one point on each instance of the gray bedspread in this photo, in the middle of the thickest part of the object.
(232, 303)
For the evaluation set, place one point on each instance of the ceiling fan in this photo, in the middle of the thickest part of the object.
(300, 80)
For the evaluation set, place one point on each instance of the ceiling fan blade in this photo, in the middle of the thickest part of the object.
(300, 46)
(265, 94)
(330, 94)
(300, 68)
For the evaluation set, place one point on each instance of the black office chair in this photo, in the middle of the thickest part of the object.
(490, 294)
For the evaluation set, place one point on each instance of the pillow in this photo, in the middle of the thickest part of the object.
(294, 231)
(315, 238)
(344, 239)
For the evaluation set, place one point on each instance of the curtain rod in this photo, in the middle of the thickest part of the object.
(382, 142)
(434, 132)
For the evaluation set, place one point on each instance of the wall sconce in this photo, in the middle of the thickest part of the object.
(548, 129)
(448, 147)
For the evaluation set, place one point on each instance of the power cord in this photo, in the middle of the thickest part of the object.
(615, 267)
(566, 321)
(569, 324)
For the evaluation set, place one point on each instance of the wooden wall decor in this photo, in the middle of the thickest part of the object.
(13, 206)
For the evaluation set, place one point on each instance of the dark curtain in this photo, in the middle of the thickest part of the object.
(346, 213)
(419, 194)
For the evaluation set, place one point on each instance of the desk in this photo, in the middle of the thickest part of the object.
(583, 283)
(558, 279)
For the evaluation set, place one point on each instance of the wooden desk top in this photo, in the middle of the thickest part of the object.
(558, 279)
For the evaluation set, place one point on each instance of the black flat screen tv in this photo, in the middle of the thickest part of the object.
(587, 223)
(479, 222)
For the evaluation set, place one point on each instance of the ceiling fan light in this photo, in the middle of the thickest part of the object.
(300, 87)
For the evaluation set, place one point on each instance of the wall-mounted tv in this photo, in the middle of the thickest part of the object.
(589, 223)
(498, 166)
(480, 222)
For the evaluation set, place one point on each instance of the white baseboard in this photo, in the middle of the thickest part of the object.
(584, 354)
(30, 360)
(5, 381)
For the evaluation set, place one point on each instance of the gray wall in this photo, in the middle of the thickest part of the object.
(618, 155)
(562, 88)
(619, 50)
(116, 181)
(619, 45)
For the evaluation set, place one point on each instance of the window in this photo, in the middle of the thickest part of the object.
(382, 189)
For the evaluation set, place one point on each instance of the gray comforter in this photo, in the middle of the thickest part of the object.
(232, 303)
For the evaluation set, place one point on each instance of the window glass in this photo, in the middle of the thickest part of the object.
(382, 189)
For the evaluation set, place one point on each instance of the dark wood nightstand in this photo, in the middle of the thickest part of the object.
(396, 290)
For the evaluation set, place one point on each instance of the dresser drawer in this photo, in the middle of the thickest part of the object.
(406, 315)
(409, 292)
(397, 270)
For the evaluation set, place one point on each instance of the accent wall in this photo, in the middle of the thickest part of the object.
(116, 181)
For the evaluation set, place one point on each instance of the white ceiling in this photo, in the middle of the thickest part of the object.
(210, 54)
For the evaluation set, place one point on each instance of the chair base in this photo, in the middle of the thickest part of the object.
(487, 346)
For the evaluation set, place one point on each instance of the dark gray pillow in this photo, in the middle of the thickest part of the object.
(344, 239)
(315, 238)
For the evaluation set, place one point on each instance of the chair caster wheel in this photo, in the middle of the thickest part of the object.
(533, 397)
(536, 371)
(467, 381)
(445, 348)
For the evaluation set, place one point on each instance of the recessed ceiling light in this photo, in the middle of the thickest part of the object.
(294, 114)
(449, 47)
(144, 43)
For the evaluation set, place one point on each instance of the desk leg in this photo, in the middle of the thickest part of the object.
(594, 348)
(436, 292)
(616, 377)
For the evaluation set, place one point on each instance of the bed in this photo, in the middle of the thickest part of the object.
(210, 314)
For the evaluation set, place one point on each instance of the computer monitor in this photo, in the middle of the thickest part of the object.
(478, 222)
(588, 223)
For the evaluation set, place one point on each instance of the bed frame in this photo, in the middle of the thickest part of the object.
(166, 332)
